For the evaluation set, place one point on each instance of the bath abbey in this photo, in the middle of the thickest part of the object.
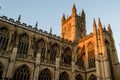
(29, 53)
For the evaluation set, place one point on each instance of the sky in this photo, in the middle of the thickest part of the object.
(48, 13)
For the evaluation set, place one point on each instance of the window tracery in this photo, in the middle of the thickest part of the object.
(23, 43)
(4, 38)
(91, 55)
(41, 48)
(45, 75)
(67, 56)
(54, 52)
(64, 76)
(80, 58)
(79, 77)
(22, 73)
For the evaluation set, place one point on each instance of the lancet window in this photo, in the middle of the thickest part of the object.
(93, 77)
(45, 75)
(91, 55)
(4, 38)
(64, 76)
(54, 52)
(41, 48)
(80, 58)
(23, 43)
(67, 56)
(22, 73)
(79, 77)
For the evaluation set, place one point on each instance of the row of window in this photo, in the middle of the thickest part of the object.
(52, 52)
(23, 73)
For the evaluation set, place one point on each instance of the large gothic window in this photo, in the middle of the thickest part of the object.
(45, 75)
(80, 58)
(41, 47)
(22, 73)
(23, 43)
(93, 77)
(64, 76)
(78, 77)
(4, 38)
(54, 52)
(91, 55)
(67, 56)
(1, 71)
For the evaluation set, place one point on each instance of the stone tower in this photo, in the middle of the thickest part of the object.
(74, 26)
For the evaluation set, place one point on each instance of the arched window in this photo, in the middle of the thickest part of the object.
(91, 55)
(41, 47)
(93, 77)
(45, 75)
(1, 71)
(78, 77)
(64, 76)
(22, 73)
(80, 58)
(23, 43)
(4, 38)
(67, 56)
(54, 52)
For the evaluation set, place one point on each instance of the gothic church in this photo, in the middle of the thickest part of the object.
(29, 53)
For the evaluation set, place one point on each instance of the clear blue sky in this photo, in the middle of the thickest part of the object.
(48, 13)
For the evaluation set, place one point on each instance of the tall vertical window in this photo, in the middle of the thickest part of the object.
(78, 77)
(41, 47)
(23, 43)
(54, 52)
(67, 56)
(80, 58)
(45, 75)
(4, 38)
(93, 77)
(91, 55)
(1, 71)
(64, 76)
(22, 73)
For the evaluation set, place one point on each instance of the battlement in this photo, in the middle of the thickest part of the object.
(31, 28)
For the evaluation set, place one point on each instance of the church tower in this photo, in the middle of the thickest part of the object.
(74, 26)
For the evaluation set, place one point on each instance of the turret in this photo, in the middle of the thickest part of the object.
(109, 28)
(94, 26)
(63, 19)
(83, 13)
(99, 25)
(74, 10)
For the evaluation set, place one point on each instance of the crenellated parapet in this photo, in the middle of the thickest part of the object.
(33, 29)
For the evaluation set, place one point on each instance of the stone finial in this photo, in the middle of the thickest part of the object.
(74, 10)
(109, 28)
(19, 18)
(51, 30)
(94, 25)
(83, 13)
(36, 25)
(99, 24)
(63, 19)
